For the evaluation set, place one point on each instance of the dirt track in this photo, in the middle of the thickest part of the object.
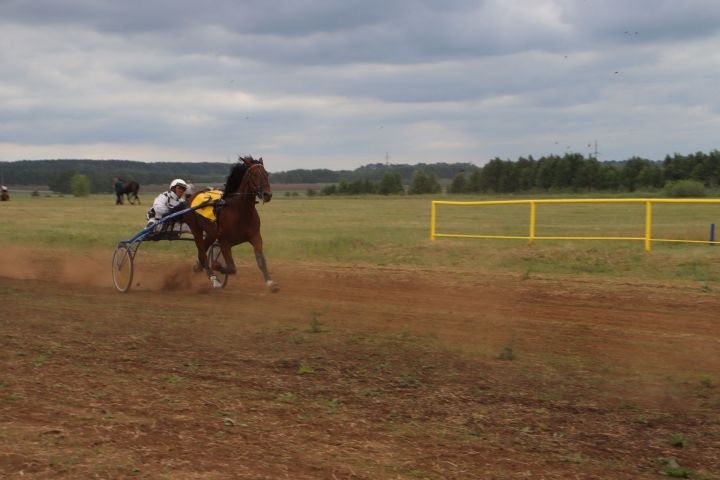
(351, 372)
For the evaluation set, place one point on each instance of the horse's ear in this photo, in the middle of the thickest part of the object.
(247, 160)
(260, 161)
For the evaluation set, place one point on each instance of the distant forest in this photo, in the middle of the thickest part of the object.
(56, 174)
(570, 172)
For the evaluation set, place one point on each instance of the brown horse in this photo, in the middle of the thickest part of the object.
(131, 189)
(237, 220)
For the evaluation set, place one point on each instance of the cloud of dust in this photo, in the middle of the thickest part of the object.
(17, 263)
(95, 269)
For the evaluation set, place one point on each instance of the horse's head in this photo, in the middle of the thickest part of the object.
(256, 179)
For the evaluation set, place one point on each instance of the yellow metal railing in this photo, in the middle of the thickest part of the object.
(648, 239)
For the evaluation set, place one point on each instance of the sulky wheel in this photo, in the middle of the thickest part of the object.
(216, 258)
(122, 268)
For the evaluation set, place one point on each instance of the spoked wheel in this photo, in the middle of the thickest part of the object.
(122, 268)
(216, 258)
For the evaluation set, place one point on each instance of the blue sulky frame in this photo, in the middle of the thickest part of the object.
(124, 257)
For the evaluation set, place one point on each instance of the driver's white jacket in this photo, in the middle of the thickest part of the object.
(162, 205)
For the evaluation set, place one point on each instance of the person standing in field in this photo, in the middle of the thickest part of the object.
(119, 185)
(4, 194)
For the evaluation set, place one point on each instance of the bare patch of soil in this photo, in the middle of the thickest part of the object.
(351, 372)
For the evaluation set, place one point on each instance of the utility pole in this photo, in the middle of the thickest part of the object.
(595, 152)
(387, 160)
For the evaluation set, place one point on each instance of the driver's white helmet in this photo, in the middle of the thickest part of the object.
(178, 182)
(4, 188)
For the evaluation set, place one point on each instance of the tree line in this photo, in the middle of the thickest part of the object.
(390, 183)
(571, 172)
(58, 174)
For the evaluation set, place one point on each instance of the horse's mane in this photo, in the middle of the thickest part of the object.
(237, 172)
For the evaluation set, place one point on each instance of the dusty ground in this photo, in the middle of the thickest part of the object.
(352, 373)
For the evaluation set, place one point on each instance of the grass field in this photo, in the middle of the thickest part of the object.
(385, 355)
(394, 231)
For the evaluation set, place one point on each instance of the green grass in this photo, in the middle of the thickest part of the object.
(394, 231)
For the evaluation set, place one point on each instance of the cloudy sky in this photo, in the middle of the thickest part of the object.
(339, 84)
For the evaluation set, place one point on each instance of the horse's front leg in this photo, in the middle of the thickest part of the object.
(229, 267)
(256, 242)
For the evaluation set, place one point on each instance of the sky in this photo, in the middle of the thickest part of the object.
(340, 84)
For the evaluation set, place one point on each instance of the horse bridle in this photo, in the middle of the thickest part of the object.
(257, 188)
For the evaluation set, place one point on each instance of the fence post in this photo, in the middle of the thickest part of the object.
(712, 234)
(648, 225)
(432, 221)
(533, 212)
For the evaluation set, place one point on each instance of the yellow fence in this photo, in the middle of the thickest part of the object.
(531, 237)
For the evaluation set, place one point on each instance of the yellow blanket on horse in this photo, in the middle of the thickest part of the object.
(209, 196)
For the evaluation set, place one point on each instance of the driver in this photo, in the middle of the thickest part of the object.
(168, 202)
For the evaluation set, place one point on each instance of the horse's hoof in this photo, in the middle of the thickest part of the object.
(215, 282)
(272, 286)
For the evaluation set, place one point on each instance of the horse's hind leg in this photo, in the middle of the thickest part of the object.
(200, 243)
(256, 242)
(207, 243)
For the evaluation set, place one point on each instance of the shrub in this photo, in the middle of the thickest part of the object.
(80, 185)
(329, 190)
(459, 184)
(390, 183)
(684, 189)
(424, 183)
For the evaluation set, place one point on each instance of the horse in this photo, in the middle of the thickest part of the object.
(4, 196)
(131, 189)
(237, 220)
